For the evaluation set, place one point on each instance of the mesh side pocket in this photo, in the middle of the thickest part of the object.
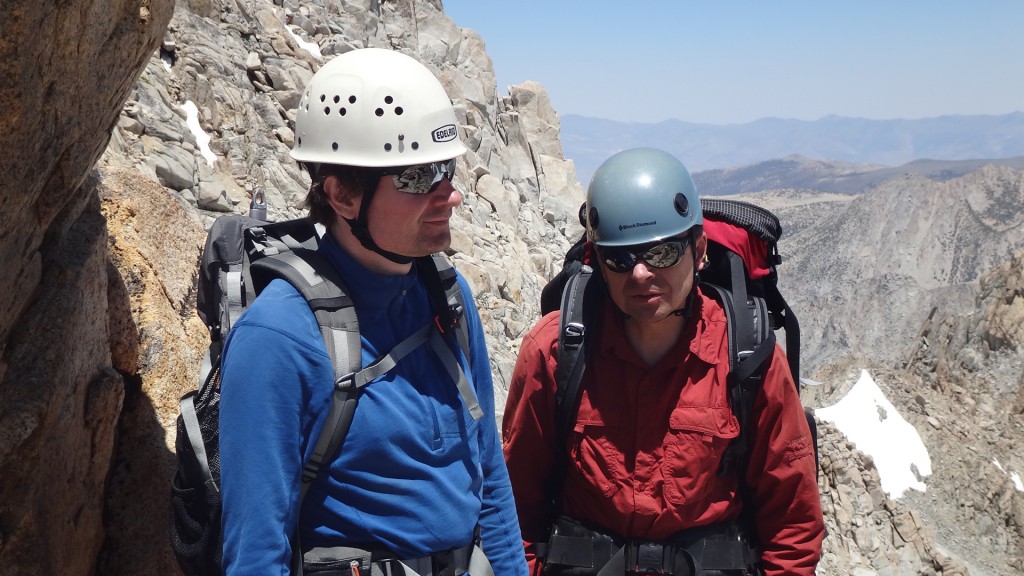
(195, 528)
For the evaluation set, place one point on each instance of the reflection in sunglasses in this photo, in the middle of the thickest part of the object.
(421, 178)
(659, 255)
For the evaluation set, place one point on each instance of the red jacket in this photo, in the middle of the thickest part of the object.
(648, 442)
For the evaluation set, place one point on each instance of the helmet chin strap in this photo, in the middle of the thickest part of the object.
(361, 230)
(687, 310)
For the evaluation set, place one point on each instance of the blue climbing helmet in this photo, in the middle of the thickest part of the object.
(638, 196)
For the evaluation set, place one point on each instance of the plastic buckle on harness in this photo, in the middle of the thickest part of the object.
(455, 313)
(346, 382)
(650, 558)
(573, 333)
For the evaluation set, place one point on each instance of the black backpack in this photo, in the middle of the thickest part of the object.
(754, 309)
(242, 255)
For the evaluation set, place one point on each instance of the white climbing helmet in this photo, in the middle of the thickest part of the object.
(375, 108)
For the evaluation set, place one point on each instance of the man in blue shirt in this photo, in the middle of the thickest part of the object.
(418, 476)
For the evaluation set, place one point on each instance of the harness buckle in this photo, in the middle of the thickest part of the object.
(454, 313)
(573, 333)
(649, 558)
(346, 382)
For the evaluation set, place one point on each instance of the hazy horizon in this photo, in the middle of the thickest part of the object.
(742, 61)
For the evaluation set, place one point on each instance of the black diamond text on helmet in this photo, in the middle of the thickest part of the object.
(637, 225)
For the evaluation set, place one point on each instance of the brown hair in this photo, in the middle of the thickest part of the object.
(356, 180)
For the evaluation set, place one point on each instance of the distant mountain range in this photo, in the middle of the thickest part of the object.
(798, 172)
(834, 139)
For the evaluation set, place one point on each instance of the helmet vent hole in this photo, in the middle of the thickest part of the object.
(334, 146)
(387, 147)
(388, 99)
(379, 112)
(337, 98)
(415, 145)
(342, 111)
(327, 110)
(352, 99)
(399, 110)
(323, 97)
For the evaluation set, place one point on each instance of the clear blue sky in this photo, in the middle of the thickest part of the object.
(725, 61)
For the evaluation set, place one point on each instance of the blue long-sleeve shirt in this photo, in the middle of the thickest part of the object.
(416, 473)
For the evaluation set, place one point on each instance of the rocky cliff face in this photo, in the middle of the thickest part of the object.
(869, 270)
(98, 335)
(919, 282)
(66, 69)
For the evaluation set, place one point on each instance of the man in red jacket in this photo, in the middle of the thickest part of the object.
(639, 488)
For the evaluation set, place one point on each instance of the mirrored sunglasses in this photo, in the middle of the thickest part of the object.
(421, 178)
(657, 255)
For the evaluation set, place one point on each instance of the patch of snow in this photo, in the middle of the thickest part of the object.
(202, 138)
(871, 422)
(312, 47)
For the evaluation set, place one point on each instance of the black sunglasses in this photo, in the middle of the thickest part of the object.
(421, 178)
(664, 254)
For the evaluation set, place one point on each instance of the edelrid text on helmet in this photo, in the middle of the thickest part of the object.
(641, 195)
(375, 108)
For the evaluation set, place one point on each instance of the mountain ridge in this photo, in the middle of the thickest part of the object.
(797, 171)
(588, 141)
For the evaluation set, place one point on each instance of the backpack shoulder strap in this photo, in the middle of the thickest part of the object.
(448, 301)
(317, 281)
(577, 326)
(787, 320)
(751, 343)
(572, 345)
(449, 314)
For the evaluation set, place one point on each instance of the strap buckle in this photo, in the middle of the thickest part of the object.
(454, 316)
(648, 558)
(651, 558)
(572, 334)
(346, 382)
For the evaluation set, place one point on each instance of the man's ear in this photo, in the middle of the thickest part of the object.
(700, 248)
(343, 201)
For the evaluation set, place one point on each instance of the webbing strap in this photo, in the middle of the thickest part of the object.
(571, 339)
(385, 363)
(469, 559)
(746, 337)
(326, 294)
(339, 419)
(479, 565)
(698, 549)
(234, 295)
(195, 439)
(748, 352)
(466, 560)
(649, 557)
(315, 279)
(206, 368)
(451, 364)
